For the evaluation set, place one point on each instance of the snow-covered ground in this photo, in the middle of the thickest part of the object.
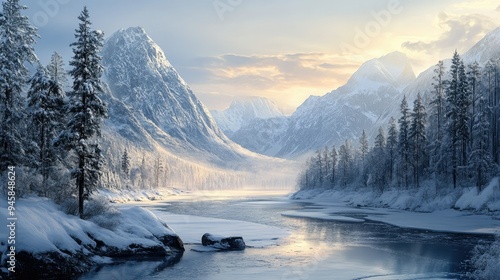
(460, 210)
(43, 228)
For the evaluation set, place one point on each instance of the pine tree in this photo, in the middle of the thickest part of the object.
(86, 110)
(418, 139)
(458, 118)
(404, 142)
(44, 103)
(473, 77)
(437, 121)
(125, 164)
(363, 150)
(481, 161)
(56, 71)
(345, 162)
(158, 170)
(493, 96)
(392, 146)
(333, 164)
(319, 167)
(17, 37)
(379, 161)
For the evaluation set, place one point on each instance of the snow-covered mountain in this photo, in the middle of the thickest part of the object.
(150, 100)
(243, 111)
(332, 118)
(155, 116)
(367, 101)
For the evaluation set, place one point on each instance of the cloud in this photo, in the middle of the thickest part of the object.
(498, 8)
(272, 71)
(461, 32)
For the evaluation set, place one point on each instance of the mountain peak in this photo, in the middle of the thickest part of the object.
(244, 110)
(393, 68)
(136, 40)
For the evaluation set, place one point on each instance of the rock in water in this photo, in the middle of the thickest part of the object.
(223, 243)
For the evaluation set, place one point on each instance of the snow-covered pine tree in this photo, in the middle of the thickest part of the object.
(473, 77)
(125, 164)
(326, 164)
(86, 110)
(379, 162)
(56, 71)
(45, 101)
(345, 162)
(333, 164)
(363, 152)
(158, 170)
(491, 73)
(404, 143)
(319, 167)
(418, 139)
(437, 121)
(17, 37)
(457, 113)
(392, 146)
(481, 162)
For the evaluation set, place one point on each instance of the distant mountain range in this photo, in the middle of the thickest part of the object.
(369, 98)
(244, 111)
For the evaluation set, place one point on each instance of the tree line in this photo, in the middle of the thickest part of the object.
(47, 131)
(451, 139)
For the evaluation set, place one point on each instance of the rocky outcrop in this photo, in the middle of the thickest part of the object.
(223, 243)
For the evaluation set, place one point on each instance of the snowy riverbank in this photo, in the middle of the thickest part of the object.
(460, 210)
(51, 243)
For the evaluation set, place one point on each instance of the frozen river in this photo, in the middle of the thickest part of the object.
(310, 249)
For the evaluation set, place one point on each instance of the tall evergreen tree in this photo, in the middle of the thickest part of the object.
(333, 164)
(363, 152)
(457, 96)
(125, 164)
(473, 77)
(56, 71)
(345, 162)
(437, 121)
(481, 161)
(17, 37)
(418, 139)
(392, 146)
(379, 162)
(404, 142)
(86, 110)
(44, 102)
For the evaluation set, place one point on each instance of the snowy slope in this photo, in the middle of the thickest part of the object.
(483, 51)
(149, 100)
(332, 118)
(242, 112)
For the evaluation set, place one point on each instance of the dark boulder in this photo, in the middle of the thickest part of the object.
(223, 243)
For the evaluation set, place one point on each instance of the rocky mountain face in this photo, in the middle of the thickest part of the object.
(152, 105)
(244, 111)
(332, 118)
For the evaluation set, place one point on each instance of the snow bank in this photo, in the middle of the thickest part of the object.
(42, 229)
(427, 208)
(427, 198)
(486, 261)
(128, 195)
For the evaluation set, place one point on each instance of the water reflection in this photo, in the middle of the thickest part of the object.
(315, 250)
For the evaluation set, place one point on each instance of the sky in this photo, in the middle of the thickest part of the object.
(285, 50)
